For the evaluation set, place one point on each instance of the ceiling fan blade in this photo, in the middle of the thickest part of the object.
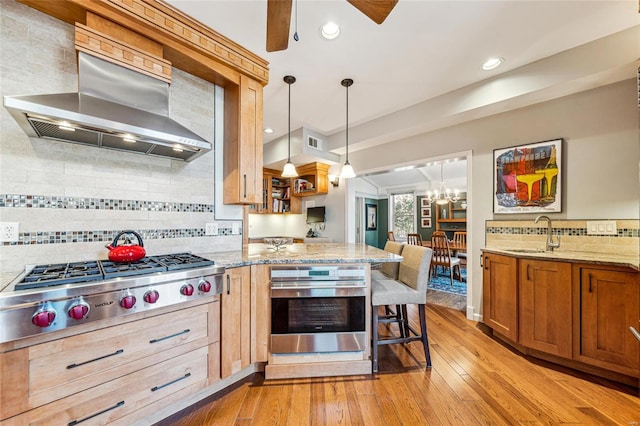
(376, 10)
(278, 23)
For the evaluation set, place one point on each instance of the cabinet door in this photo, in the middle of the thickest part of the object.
(235, 333)
(500, 294)
(260, 312)
(545, 306)
(610, 304)
(243, 143)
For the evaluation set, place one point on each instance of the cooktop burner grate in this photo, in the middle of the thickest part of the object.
(146, 265)
(99, 270)
(183, 261)
(61, 273)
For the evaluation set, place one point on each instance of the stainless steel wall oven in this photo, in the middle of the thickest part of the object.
(318, 309)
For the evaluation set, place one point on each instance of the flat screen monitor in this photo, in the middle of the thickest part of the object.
(315, 215)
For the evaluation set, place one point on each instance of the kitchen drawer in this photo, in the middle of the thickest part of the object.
(123, 396)
(66, 366)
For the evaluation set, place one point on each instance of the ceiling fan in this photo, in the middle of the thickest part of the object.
(279, 18)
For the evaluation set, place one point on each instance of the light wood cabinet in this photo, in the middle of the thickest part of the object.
(277, 195)
(313, 179)
(574, 314)
(243, 143)
(500, 294)
(545, 306)
(609, 302)
(235, 324)
(73, 378)
(260, 312)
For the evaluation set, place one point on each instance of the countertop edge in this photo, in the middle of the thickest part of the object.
(572, 257)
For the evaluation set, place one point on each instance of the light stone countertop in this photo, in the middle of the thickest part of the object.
(610, 259)
(254, 254)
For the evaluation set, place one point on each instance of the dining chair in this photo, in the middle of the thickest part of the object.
(460, 238)
(409, 289)
(414, 239)
(442, 256)
(390, 236)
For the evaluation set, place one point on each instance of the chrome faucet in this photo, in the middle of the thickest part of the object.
(550, 244)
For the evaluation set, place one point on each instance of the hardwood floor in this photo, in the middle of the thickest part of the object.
(475, 380)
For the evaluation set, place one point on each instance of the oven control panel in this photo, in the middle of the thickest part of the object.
(318, 273)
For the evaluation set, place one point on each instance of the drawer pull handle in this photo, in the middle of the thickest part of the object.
(75, 422)
(528, 277)
(228, 284)
(635, 332)
(155, 388)
(590, 286)
(170, 336)
(119, 351)
(481, 265)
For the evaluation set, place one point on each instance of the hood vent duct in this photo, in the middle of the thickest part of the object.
(115, 108)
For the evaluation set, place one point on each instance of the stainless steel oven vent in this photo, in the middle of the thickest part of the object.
(115, 108)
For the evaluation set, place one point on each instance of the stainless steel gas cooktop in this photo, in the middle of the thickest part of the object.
(52, 297)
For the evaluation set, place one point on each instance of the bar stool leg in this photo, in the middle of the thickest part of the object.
(425, 338)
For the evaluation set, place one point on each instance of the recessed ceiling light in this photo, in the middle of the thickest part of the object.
(492, 63)
(268, 130)
(330, 30)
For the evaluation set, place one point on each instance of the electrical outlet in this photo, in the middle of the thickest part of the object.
(235, 228)
(211, 229)
(9, 232)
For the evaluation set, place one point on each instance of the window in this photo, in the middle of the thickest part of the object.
(402, 211)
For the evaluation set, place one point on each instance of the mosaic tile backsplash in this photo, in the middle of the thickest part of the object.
(573, 236)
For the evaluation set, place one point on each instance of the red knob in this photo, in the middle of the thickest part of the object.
(186, 290)
(78, 311)
(43, 318)
(204, 286)
(128, 302)
(151, 296)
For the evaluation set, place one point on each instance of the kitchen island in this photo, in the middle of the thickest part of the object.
(248, 284)
(142, 367)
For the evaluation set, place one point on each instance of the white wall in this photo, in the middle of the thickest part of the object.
(293, 225)
(601, 156)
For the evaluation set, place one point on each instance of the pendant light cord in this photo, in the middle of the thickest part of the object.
(346, 83)
(289, 128)
(347, 129)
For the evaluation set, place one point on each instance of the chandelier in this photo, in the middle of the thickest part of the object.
(443, 195)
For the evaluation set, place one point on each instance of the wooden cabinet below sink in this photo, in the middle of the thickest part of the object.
(572, 313)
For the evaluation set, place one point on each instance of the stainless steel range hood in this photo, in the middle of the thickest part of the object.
(115, 108)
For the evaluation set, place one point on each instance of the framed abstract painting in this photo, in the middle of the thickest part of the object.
(528, 178)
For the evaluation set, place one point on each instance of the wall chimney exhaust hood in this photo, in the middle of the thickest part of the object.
(115, 108)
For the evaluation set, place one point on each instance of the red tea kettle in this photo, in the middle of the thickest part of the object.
(126, 253)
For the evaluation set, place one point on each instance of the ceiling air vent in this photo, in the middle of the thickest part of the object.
(314, 143)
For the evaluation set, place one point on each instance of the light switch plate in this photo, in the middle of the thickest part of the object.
(602, 227)
(211, 229)
(235, 228)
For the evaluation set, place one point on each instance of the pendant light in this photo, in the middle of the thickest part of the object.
(347, 171)
(289, 169)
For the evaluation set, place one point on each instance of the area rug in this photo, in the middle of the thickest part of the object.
(442, 282)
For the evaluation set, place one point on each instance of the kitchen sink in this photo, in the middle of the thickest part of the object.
(525, 250)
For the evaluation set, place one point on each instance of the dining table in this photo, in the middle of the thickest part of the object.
(455, 247)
